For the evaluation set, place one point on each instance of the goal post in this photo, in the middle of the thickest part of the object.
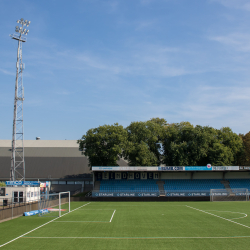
(66, 197)
(236, 194)
(54, 205)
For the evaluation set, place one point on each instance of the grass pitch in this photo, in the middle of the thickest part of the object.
(134, 225)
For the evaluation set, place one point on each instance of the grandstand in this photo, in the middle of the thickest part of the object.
(188, 182)
(63, 165)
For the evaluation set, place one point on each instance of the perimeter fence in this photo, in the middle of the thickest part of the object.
(11, 207)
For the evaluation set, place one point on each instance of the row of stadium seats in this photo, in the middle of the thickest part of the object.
(192, 185)
(170, 185)
(128, 186)
(239, 183)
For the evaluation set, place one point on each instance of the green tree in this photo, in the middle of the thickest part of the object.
(104, 145)
(220, 155)
(2, 184)
(160, 121)
(179, 145)
(233, 142)
(245, 156)
(143, 147)
(197, 146)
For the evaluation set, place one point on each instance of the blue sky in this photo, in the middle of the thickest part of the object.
(96, 62)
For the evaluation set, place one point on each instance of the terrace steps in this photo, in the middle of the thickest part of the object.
(97, 186)
(226, 185)
(161, 187)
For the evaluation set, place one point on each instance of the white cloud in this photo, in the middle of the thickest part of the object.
(235, 4)
(239, 41)
(6, 72)
(145, 24)
(146, 2)
(64, 92)
(203, 105)
(134, 59)
(113, 5)
(218, 107)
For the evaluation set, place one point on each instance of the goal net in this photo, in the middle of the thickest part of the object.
(237, 194)
(54, 205)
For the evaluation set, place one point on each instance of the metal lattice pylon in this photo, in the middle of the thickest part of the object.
(17, 169)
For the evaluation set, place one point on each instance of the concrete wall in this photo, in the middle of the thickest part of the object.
(196, 175)
(239, 175)
(64, 188)
(17, 211)
(175, 175)
(208, 175)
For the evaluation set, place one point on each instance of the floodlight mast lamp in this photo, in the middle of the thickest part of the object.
(17, 169)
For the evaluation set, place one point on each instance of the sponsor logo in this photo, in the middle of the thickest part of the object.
(21, 183)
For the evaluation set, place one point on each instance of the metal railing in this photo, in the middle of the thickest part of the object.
(6, 203)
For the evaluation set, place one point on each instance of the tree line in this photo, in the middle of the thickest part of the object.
(156, 142)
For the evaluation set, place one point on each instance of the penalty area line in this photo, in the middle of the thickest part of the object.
(219, 217)
(40, 226)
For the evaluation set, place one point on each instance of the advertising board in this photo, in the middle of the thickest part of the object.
(22, 183)
(125, 194)
(149, 194)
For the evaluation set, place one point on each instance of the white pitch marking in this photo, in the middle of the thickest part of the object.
(92, 221)
(82, 221)
(232, 213)
(218, 237)
(95, 209)
(39, 227)
(219, 217)
(112, 216)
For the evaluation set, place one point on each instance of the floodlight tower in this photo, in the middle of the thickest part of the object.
(17, 169)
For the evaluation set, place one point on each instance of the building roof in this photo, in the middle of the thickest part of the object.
(50, 159)
(43, 143)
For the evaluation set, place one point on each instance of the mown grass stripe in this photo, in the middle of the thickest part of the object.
(134, 238)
